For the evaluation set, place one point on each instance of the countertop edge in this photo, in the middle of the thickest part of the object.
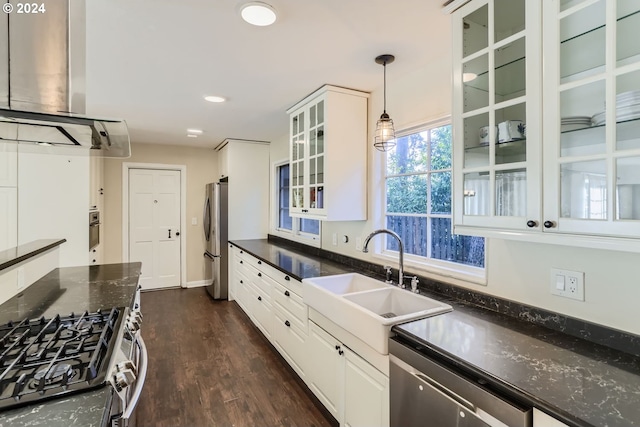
(277, 267)
(31, 249)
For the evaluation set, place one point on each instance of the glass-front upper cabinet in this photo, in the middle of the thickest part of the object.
(592, 116)
(328, 155)
(496, 114)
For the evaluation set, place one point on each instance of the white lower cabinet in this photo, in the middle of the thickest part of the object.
(541, 419)
(355, 392)
(366, 393)
(352, 389)
(326, 374)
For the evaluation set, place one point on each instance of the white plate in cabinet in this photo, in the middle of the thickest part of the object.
(328, 155)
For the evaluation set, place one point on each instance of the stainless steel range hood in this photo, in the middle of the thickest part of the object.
(42, 82)
(110, 137)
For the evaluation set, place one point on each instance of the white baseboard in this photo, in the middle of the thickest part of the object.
(196, 284)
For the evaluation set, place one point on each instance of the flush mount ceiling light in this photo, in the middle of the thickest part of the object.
(385, 138)
(258, 13)
(213, 98)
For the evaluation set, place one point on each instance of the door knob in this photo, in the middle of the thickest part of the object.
(177, 233)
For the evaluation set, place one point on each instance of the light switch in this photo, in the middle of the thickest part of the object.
(560, 282)
(194, 220)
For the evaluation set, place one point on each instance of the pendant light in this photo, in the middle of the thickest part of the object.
(385, 138)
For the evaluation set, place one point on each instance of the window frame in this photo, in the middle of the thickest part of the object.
(452, 272)
(295, 233)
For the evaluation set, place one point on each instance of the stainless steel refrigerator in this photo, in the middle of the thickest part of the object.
(215, 222)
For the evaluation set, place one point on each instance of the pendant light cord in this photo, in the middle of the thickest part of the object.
(384, 107)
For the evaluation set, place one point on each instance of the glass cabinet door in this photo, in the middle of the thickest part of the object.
(316, 156)
(592, 124)
(297, 151)
(496, 112)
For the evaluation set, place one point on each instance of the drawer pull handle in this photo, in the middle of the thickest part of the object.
(286, 293)
(259, 298)
(259, 274)
(259, 262)
(340, 352)
(241, 281)
(241, 262)
(337, 347)
(287, 278)
(286, 322)
(241, 252)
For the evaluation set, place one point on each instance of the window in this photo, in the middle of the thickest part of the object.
(418, 199)
(300, 227)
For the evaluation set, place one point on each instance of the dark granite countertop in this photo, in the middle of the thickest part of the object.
(291, 261)
(20, 253)
(581, 383)
(62, 291)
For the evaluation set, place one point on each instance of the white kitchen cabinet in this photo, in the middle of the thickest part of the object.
(353, 391)
(326, 374)
(366, 393)
(575, 175)
(96, 182)
(8, 217)
(328, 155)
(496, 114)
(246, 165)
(541, 419)
(8, 163)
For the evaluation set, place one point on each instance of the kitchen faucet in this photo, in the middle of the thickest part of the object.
(414, 279)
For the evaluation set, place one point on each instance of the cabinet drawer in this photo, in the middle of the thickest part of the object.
(290, 341)
(261, 312)
(291, 303)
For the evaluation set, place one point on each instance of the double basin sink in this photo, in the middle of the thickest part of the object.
(366, 307)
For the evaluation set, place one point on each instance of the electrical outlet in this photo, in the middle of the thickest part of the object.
(358, 243)
(194, 220)
(567, 283)
(334, 239)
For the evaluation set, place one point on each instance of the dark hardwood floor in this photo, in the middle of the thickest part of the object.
(209, 366)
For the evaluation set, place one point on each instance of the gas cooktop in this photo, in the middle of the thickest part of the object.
(46, 358)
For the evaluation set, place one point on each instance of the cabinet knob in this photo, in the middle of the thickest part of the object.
(286, 322)
(549, 224)
(241, 262)
(259, 298)
(286, 293)
(287, 278)
(259, 262)
(241, 281)
(259, 274)
(305, 210)
(531, 223)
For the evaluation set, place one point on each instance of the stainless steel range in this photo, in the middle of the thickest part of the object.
(47, 358)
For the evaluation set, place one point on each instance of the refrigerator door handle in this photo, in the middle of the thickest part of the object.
(211, 256)
(206, 219)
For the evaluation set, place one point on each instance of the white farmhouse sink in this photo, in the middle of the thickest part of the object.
(365, 307)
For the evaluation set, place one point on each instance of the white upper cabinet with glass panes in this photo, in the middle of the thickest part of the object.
(573, 172)
(328, 155)
(496, 116)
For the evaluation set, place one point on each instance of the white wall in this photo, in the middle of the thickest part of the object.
(518, 271)
(53, 199)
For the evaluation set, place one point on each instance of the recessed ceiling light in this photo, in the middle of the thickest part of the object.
(191, 135)
(258, 13)
(212, 98)
(196, 131)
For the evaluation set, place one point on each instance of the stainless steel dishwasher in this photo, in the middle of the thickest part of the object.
(425, 393)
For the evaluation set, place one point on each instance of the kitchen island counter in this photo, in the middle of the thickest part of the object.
(62, 291)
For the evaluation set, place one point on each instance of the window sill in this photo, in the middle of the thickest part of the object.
(447, 272)
(304, 239)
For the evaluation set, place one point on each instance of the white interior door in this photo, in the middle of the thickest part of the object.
(154, 226)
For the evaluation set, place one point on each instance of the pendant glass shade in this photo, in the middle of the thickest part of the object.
(385, 138)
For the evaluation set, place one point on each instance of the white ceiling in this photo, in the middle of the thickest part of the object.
(151, 62)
